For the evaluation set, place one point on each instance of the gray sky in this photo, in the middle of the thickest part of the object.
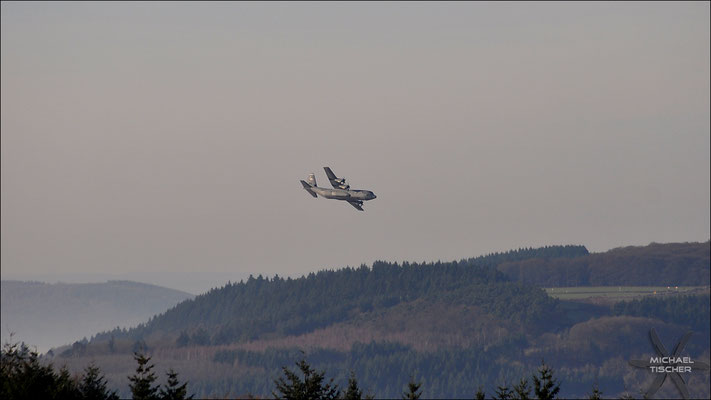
(165, 142)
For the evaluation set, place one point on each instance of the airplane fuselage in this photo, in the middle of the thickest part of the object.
(341, 194)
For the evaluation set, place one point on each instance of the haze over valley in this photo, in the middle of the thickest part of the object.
(51, 315)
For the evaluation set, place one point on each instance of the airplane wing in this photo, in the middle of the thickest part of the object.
(357, 205)
(337, 183)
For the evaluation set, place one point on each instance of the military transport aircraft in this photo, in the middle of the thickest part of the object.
(340, 191)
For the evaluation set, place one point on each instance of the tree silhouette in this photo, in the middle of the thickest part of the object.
(93, 385)
(503, 393)
(412, 390)
(353, 392)
(23, 376)
(173, 390)
(141, 385)
(310, 387)
(596, 393)
(65, 386)
(546, 386)
(522, 391)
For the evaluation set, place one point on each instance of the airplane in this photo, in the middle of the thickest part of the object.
(341, 190)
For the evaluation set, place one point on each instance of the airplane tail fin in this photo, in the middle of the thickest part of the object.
(329, 173)
(308, 187)
(311, 180)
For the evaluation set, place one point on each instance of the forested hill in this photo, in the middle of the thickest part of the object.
(280, 307)
(455, 325)
(675, 264)
(262, 306)
(543, 253)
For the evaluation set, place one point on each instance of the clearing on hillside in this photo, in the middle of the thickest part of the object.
(621, 292)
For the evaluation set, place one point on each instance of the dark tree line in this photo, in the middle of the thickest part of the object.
(547, 252)
(249, 309)
(24, 376)
(384, 366)
(292, 386)
(143, 385)
(692, 311)
(675, 264)
(309, 384)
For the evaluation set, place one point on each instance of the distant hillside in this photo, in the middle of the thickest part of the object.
(261, 306)
(546, 252)
(284, 307)
(675, 264)
(454, 325)
(48, 315)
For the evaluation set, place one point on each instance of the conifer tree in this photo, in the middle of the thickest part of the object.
(353, 392)
(141, 385)
(596, 393)
(25, 377)
(173, 390)
(503, 393)
(412, 390)
(93, 385)
(480, 395)
(65, 386)
(310, 387)
(522, 391)
(22, 376)
(546, 386)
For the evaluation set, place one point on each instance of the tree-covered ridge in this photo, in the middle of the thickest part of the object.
(691, 311)
(250, 309)
(457, 327)
(675, 264)
(546, 252)
(246, 310)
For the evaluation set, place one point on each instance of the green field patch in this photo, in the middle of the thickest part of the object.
(584, 292)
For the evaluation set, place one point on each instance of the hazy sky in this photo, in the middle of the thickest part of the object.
(164, 142)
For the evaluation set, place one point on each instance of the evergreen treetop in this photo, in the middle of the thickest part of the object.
(413, 390)
(522, 391)
(353, 392)
(546, 386)
(503, 393)
(312, 386)
(93, 385)
(142, 387)
(596, 393)
(23, 376)
(173, 390)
